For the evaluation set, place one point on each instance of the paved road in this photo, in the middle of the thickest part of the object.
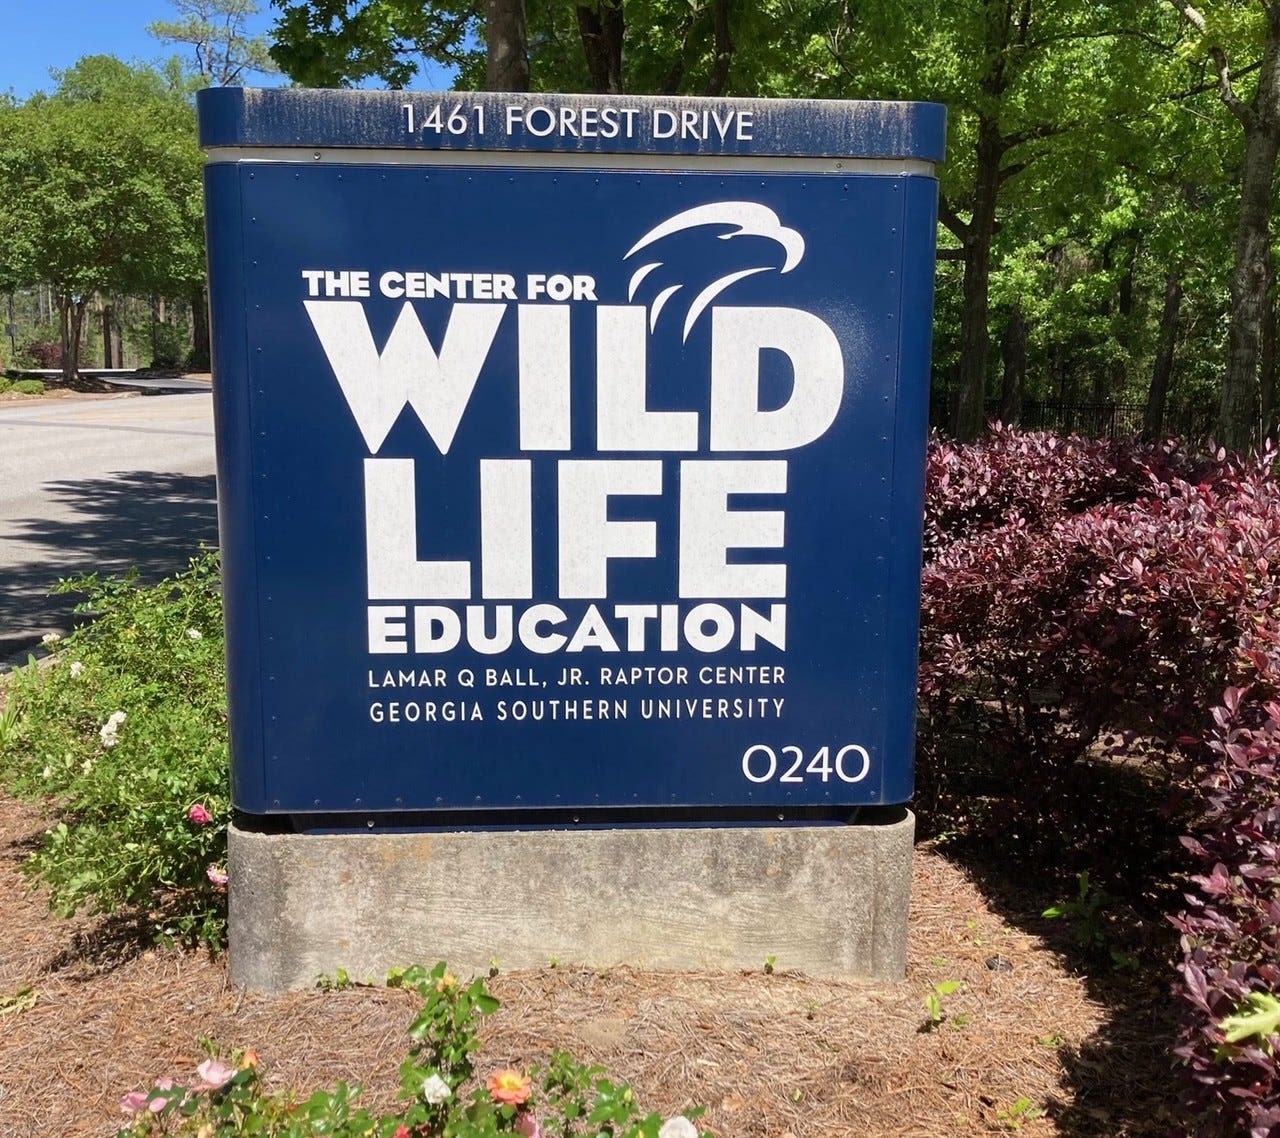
(99, 485)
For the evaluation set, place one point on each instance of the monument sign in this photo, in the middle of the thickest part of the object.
(570, 449)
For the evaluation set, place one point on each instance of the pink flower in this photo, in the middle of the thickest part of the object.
(217, 875)
(157, 1103)
(528, 1125)
(214, 1073)
(133, 1102)
(199, 815)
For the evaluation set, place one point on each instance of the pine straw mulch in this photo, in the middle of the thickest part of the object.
(772, 1056)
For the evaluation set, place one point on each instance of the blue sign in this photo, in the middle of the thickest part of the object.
(557, 473)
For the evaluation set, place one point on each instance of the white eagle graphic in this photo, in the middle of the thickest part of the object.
(743, 219)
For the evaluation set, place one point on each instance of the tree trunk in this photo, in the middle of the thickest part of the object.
(64, 337)
(1162, 372)
(1110, 376)
(1238, 409)
(1014, 381)
(71, 327)
(975, 340)
(107, 352)
(507, 44)
(155, 322)
(724, 50)
(601, 28)
(199, 328)
(1267, 359)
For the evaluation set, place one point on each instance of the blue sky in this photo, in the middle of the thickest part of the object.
(36, 35)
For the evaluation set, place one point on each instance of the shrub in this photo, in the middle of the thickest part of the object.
(41, 349)
(1072, 591)
(125, 732)
(1074, 615)
(1024, 663)
(1032, 478)
(438, 1086)
(1230, 971)
(28, 387)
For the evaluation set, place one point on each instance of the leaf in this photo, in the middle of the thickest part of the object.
(23, 1000)
(1261, 1021)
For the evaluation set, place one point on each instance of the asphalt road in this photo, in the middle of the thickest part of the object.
(98, 485)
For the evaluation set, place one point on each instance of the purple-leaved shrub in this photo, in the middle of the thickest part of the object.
(1095, 599)
(1231, 926)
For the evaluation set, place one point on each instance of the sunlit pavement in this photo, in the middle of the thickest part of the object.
(98, 485)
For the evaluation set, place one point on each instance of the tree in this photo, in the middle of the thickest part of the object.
(1225, 32)
(1028, 84)
(216, 29)
(100, 191)
(225, 53)
(334, 43)
(507, 46)
(671, 46)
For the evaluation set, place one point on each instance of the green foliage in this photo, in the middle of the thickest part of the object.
(333, 43)
(437, 1086)
(215, 31)
(23, 1000)
(1093, 135)
(936, 1012)
(1257, 1022)
(340, 981)
(125, 732)
(1019, 1111)
(1089, 916)
(22, 386)
(169, 342)
(100, 188)
(1084, 912)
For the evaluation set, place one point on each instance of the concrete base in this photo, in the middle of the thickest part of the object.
(826, 900)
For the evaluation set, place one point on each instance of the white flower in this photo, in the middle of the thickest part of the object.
(49, 639)
(76, 668)
(87, 765)
(110, 728)
(435, 1090)
(678, 1127)
(47, 772)
(194, 634)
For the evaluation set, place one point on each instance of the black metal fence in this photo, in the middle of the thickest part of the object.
(1090, 420)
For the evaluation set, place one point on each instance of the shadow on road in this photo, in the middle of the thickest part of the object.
(154, 521)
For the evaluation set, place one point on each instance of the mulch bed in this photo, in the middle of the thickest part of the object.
(771, 1056)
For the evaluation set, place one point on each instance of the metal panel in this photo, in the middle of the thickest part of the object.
(634, 396)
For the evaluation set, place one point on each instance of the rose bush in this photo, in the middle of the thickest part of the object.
(124, 732)
(442, 1096)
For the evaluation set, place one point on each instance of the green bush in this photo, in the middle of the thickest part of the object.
(28, 387)
(125, 732)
